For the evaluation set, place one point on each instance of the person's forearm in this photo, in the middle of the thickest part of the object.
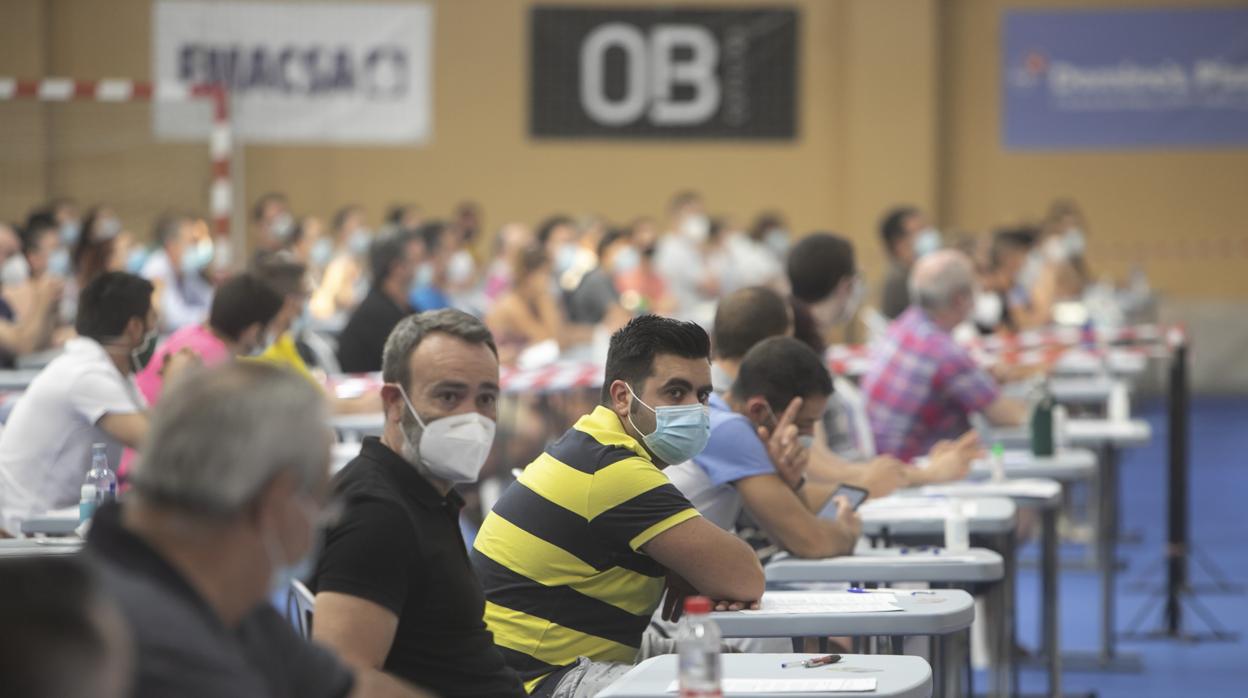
(815, 495)
(827, 467)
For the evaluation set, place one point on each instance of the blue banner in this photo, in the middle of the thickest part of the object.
(1125, 78)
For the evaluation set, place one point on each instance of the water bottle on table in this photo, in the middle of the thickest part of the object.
(698, 647)
(100, 476)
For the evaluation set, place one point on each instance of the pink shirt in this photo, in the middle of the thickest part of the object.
(197, 338)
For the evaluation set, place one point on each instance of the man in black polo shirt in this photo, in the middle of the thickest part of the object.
(223, 506)
(392, 261)
(394, 589)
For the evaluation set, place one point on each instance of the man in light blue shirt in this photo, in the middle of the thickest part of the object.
(757, 453)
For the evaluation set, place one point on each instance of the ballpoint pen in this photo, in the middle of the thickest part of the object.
(814, 662)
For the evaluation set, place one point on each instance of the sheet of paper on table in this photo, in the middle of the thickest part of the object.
(787, 602)
(740, 686)
(913, 559)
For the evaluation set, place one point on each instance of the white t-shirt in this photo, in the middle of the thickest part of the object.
(45, 447)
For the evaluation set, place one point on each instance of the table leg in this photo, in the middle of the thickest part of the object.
(1109, 553)
(1049, 599)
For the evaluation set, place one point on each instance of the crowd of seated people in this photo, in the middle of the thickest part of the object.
(718, 412)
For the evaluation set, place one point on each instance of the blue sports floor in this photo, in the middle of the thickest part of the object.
(1219, 507)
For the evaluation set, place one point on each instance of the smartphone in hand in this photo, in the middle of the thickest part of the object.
(855, 495)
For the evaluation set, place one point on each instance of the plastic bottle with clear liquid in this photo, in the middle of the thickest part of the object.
(100, 476)
(698, 650)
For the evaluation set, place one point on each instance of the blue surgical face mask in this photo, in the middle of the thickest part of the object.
(196, 258)
(69, 232)
(58, 263)
(626, 260)
(927, 241)
(359, 241)
(322, 252)
(680, 431)
(285, 572)
(565, 257)
(136, 259)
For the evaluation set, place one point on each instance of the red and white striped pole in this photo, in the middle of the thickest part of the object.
(220, 192)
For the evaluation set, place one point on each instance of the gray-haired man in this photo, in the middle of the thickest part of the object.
(224, 505)
(394, 587)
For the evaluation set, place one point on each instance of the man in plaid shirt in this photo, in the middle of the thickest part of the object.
(922, 386)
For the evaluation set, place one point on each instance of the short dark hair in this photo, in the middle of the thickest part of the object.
(412, 330)
(396, 213)
(612, 236)
(342, 214)
(385, 252)
(746, 317)
(37, 226)
(630, 357)
(817, 263)
(282, 273)
(167, 226)
(682, 199)
(780, 369)
(52, 645)
(893, 226)
(241, 302)
(547, 227)
(272, 197)
(431, 233)
(805, 327)
(107, 304)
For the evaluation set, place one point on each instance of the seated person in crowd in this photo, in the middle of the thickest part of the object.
(271, 222)
(430, 288)
(922, 386)
(907, 236)
(823, 274)
(103, 245)
(745, 318)
(344, 282)
(756, 455)
(211, 526)
(394, 589)
(177, 269)
(573, 556)
(393, 261)
(32, 330)
(86, 395)
(63, 637)
(596, 299)
(237, 325)
(287, 341)
(643, 290)
(529, 313)
(42, 263)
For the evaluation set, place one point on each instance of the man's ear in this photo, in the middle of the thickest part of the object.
(756, 410)
(250, 334)
(392, 402)
(620, 398)
(275, 492)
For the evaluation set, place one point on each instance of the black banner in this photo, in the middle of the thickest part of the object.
(671, 73)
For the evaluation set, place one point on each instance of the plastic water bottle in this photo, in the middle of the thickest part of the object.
(86, 505)
(957, 530)
(996, 461)
(698, 646)
(100, 476)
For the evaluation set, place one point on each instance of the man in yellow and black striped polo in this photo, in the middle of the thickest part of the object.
(574, 556)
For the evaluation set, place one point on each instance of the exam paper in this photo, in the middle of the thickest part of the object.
(739, 686)
(785, 602)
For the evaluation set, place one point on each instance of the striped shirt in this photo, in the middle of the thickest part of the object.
(559, 556)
